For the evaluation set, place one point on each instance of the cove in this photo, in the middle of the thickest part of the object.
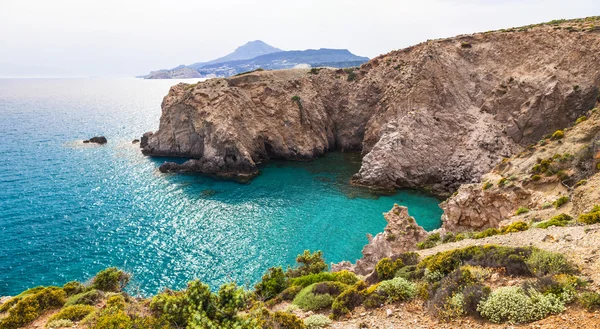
(70, 210)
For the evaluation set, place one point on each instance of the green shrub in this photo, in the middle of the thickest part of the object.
(308, 300)
(272, 283)
(310, 263)
(348, 300)
(314, 71)
(341, 276)
(515, 227)
(503, 181)
(560, 201)
(521, 210)
(487, 233)
(72, 313)
(409, 258)
(31, 304)
(465, 44)
(113, 320)
(542, 263)
(430, 242)
(291, 292)
(285, 320)
(580, 119)
(317, 321)
(546, 205)
(73, 288)
(386, 268)
(558, 220)
(511, 259)
(487, 185)
(559, 134)
(590, 300)
(59, 324)
(90, 297)
(513, 305)
(111, 279)
(536, 178)
(116, 302)
(581, 183)
(397, 289)
(591, 217)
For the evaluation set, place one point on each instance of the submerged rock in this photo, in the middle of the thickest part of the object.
(400, 235)
(135, 141)
(97, 140)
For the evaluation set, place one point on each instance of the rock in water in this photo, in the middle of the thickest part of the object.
(433, 115)
(401, 234)
(97, 140)
(144, 139)
(135, 141)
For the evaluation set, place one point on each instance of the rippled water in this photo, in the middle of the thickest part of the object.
(68, 210)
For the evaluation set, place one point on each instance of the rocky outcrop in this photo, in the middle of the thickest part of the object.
(568, 166)
(473, 208)
(401, 234)
(97, 140)
(435, 115)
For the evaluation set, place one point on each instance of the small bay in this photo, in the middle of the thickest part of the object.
(68, 210)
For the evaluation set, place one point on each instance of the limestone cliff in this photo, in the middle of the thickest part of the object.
(436, 115)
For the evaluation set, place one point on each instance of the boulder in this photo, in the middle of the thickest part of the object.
(97, 140)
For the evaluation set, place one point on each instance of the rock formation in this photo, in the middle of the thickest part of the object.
(401, 234)
(98, 140)
(568, 166)
(435, 115)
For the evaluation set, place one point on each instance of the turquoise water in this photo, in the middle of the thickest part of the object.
(68, 210)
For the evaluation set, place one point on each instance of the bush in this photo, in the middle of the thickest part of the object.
(397, 289)
(29, 305)
(513, 305)
(502, 182)
(521, 210)
(287, 321)
(348, 300)
(559, 134)
(473, 295)
(410, 273)
(560, 201)
(111, 279)
(511, 259)
(90, 297)
(590, 300)
(487, 233)
(59, 324)
(341, 276)
(515, 227)
(430, 242)
(409, 258)
(536, 177)
(591, 217)
(113, 320)
(386, 268)
(73, 287)
(310, 263)
(487, 185)
(558, 220)
(72, 313)
(318, 295)
(542, 263)
(580, 119)
(291, 292)
(272, 283)
(317, 321)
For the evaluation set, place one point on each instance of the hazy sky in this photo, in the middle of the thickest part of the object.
(126, 38)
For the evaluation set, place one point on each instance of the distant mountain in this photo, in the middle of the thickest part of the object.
(257, 54)
(250, 50)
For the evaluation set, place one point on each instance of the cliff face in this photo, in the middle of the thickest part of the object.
(435, 115)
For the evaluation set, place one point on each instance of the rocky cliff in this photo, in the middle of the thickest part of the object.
(436, 115)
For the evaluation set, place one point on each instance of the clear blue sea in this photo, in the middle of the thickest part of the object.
(68, 210)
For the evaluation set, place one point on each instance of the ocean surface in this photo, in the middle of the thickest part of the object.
(68, 210)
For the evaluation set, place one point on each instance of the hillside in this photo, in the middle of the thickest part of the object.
(432, 116)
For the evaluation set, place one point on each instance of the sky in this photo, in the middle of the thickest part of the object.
(130, 37)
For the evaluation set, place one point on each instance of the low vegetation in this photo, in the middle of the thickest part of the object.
(451, 284)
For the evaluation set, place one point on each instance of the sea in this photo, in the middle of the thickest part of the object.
(69, 210)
